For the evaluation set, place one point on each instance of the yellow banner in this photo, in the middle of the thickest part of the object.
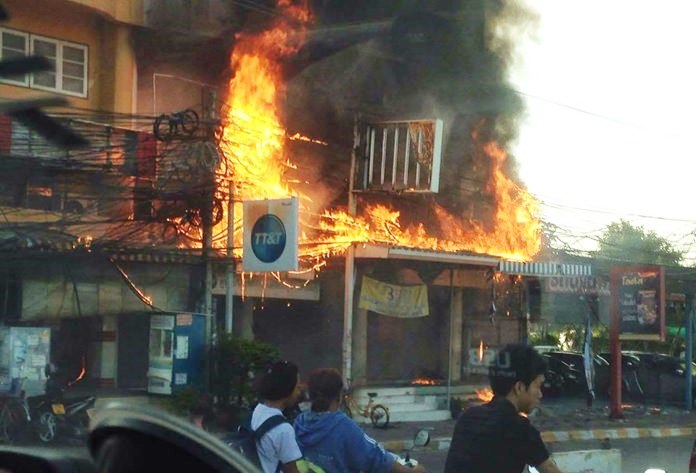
(393, 300)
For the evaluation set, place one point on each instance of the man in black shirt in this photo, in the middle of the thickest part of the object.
(495, 437)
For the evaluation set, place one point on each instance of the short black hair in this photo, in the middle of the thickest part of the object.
(513, 363)
(277, 381)
(325, 385)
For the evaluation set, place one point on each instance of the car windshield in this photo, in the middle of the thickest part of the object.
(199, 197)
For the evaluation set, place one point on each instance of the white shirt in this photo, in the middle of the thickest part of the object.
(279, 444)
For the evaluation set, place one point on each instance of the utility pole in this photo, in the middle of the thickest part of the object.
(206, 209)
(615, 410)
(689, 354)
(229, 281)
(208, 195)
(349, 276)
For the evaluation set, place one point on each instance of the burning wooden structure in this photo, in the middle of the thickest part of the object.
(358, 137)
(430, 202)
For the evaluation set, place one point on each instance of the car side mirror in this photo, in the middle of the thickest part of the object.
(421, 439)
(134, 439)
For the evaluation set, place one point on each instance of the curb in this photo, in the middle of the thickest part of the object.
(623, 433)
(443, 443)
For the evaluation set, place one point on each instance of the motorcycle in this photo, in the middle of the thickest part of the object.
(421, 439)
(54, 415)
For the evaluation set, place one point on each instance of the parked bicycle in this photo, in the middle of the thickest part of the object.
(167, 127)
(14, 417)
(377, 413)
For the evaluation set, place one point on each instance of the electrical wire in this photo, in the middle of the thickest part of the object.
(112, 146)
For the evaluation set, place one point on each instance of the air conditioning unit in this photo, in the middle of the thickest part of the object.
(399, 156)
(77, 206)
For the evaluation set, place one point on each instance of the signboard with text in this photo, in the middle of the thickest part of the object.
(638, 302)
(270, 235)
(394, 300)
(580, 285)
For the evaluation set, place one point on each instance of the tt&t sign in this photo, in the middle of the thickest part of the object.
(482, 361)
(270, 235)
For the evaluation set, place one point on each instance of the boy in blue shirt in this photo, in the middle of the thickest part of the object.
(333, 441)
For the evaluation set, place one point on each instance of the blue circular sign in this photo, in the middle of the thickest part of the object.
(268, 238)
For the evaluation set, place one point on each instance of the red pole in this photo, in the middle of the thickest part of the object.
(615, 411)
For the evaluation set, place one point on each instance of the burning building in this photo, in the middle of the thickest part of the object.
(390, 127)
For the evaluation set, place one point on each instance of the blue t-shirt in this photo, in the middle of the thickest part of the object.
(334, 442)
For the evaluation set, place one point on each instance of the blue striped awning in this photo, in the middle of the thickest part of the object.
(544, 269)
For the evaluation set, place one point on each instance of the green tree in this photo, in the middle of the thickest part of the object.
(236, 362)
(624, 242)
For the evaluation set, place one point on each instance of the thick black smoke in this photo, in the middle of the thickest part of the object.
(405, 59)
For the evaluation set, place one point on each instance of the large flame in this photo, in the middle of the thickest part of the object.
(253, 145)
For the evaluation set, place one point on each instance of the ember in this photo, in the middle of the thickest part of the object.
(253, 147)
(424, 382)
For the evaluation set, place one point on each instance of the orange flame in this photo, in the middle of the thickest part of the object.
(253, 146)
(424, 382)
(484, 394)
(299, 137)
(480, 352)
(82, 374)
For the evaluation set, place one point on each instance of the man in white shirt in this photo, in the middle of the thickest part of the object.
(278, 389)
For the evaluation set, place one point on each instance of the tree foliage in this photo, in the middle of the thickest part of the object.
(624, 242)
(236, 362)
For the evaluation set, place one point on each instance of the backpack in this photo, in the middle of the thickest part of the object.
(245, 439)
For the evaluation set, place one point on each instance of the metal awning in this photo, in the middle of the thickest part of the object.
(548, 269)
(396, 252)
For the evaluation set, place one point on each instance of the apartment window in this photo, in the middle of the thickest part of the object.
(69, 62)
(14, 44)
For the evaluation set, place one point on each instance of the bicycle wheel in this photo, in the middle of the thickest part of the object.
(380, 416)
(14, 420)
(189, 121)
(162, 128)
(48, 425)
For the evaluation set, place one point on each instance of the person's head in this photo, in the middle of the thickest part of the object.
(280, 382)
(517, 374)
(325, 386)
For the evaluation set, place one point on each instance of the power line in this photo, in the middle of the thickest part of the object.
(614, 213)
(597, 115)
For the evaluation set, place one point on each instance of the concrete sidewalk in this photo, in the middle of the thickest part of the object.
(562, 421)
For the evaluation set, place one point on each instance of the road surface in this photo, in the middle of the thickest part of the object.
(637, 455)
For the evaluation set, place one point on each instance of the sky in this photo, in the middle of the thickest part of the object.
(610, 89)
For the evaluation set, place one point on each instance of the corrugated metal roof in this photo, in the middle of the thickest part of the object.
(545, 268)
(398, 252)
(24, 242)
